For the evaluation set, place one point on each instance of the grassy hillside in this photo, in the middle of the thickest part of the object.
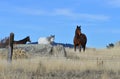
(92, 64)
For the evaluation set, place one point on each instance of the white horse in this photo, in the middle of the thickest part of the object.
(46, 40)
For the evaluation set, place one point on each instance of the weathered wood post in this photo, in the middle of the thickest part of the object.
(10, 51)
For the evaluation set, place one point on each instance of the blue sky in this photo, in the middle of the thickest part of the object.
(40, 18)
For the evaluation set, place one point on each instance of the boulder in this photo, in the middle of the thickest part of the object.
(59, 51)
(42, 49)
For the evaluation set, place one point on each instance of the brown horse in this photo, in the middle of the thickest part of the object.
(23, 41)
(80, 39)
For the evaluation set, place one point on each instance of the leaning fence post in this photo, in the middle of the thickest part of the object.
(10, 51)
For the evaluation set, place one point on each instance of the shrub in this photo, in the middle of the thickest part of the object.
(4, 42)
(111, 45)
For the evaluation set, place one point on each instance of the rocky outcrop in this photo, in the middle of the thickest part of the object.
(59, 50)
(42, 49)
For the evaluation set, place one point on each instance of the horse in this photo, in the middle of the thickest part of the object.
(46, 40)
(80, 39)
(23, 41)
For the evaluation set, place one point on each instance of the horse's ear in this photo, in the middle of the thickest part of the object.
(80, 26)
(77, 26)
(28, 36)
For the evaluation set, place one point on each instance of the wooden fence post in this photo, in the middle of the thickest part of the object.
(10, 51)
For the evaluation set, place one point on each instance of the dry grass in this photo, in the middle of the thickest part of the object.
(92, 64)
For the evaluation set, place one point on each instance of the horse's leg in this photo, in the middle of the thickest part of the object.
(75, 48)
(84, 48)
(80, 47)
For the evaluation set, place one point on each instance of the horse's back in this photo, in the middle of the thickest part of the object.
(43, 40)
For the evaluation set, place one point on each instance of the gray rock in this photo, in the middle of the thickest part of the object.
(43, 50)
(59, 51)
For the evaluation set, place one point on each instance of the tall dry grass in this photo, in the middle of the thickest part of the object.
(92, 64)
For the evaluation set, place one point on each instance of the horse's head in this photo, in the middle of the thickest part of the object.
(51, 38)
(28, 39)
(78, 30)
